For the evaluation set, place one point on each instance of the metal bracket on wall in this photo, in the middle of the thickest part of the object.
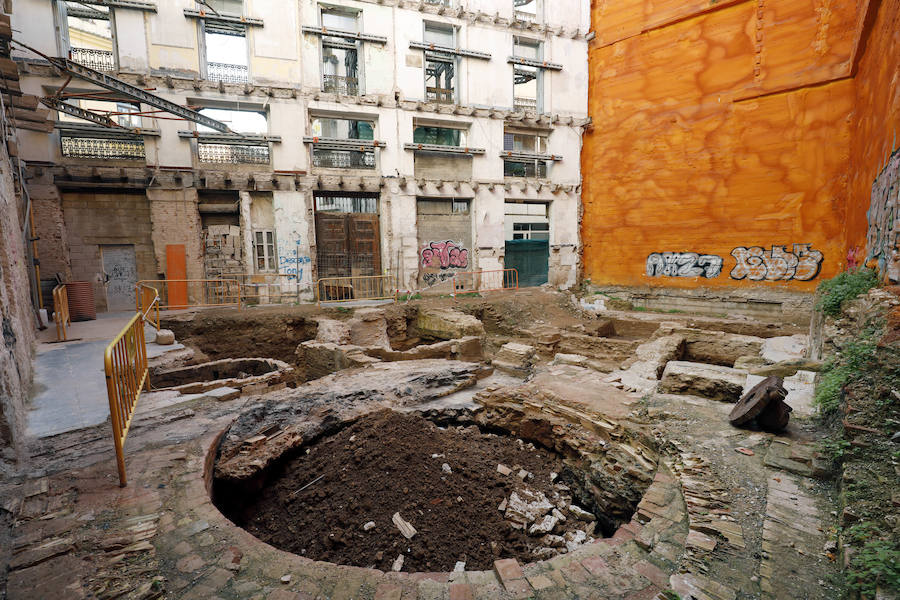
(529, 156)
(534, 62)
(70, 67)
(221, 18)
(350, 35)
(443, 149)
(448, 50)
(101, 131)
(121, 4)
(228, 138)
(343, 144)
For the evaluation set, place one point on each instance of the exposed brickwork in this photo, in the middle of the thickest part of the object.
(175, 220)
(110, 218)
(16, 320)
(50, 228)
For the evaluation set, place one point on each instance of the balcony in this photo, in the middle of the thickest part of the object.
(343, 159)
(525, 17)
(227, 73)
(447, 3)
(527, 104)
(338, 84)
(102, 148)
(439, 95)
(244, 154)
(99, 60)
(525, 168)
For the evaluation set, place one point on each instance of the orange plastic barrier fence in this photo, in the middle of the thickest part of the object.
(465, 282)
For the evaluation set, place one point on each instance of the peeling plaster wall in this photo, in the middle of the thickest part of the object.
(720, 144)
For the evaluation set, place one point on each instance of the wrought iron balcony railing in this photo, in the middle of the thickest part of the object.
(447, 3)
(343, 159)
(439, 95)
(102, 148)
(227, 73)
(233, 153)
(99, 60)
(527, 17)
(520, 103)
(524, 168)
(338, 84)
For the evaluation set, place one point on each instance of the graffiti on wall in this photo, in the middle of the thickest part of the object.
(683, 264)
(292, 265)
(755, 263)
(444, 255)
(883, 234)
(440, 260)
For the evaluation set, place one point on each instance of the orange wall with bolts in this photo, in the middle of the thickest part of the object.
(876, 122)
(724, 126)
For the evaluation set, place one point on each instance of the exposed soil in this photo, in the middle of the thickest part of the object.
(240, 369)
(382, 464)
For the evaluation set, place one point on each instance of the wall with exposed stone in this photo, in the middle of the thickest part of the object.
(17, 331)
(733, 143)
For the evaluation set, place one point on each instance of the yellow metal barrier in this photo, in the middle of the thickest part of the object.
(147, 300)
(187, 293)
(125, 364)
(364, 287)
(61, 311)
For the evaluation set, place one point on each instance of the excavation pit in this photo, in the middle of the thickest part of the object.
(337, 497)
(236, 373)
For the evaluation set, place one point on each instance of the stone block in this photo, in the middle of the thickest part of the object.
(514, 358)
(165, 337)
(223, 393)
(447, 324)
(709, 381)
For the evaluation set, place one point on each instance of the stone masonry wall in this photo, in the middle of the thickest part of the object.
(16, 319)
(176, 220)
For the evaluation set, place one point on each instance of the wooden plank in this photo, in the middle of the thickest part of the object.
(28, 102)
(8, 67)
(46, 127)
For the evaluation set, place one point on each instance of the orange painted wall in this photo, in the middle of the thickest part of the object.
(876, 122)
(718, 126)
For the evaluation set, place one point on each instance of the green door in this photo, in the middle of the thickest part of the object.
(530, 258)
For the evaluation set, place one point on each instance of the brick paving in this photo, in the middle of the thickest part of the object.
(76, 534)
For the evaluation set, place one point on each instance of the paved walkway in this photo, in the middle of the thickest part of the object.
(69, 390)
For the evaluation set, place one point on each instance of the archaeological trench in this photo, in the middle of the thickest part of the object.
(509, 446)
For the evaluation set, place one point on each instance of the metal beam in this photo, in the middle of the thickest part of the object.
(508, 154)
(71, 129)
(221, 18)
(77, 111)
(534, 62)
(109, 82)
(443, 149)
(228, 138)
(448, 50)
(121, 4)
(342, 144)
(350, 35)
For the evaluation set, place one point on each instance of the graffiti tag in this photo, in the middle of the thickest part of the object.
(883, 233)
(684, 264)
(758, 264)
(292, 266)
(437, 277)
(444, 255)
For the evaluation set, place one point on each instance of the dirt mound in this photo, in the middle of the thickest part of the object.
(336, 501)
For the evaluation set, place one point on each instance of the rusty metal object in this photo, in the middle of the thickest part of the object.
(775, 417)
(765, 403)
(757, 399)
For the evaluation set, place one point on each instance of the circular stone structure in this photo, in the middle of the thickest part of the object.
(231, 372)
(433, 491)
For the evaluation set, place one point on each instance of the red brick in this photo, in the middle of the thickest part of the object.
(595, 565)
(461, 591)
(648, 593)
(518, 588)
(508, 569)
(575, 573)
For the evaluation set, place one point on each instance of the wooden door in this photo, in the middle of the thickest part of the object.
(176, 268)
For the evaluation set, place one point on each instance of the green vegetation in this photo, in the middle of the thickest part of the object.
(877, 561)
(405, 297)
(845, 286)
(855, 359)
(834, 449)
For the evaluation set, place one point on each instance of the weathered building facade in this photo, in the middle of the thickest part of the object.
(414, 139)
(735, 144)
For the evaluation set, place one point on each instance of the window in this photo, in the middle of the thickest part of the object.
(340, 57)
(88, 37)
(459, 207)
(529, 143)
(527, 10)
(240, 121)
(440, 68)
(225, 44)
(342, 129)
(525, 142)
(531, 231)
(264, 248)
(334, 203)
(439, 136)
(527, 81)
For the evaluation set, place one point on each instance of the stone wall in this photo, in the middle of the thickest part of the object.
(734, 144)
(175, 219)
(16, 313)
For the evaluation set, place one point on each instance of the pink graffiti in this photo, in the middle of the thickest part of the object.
(447, 254)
